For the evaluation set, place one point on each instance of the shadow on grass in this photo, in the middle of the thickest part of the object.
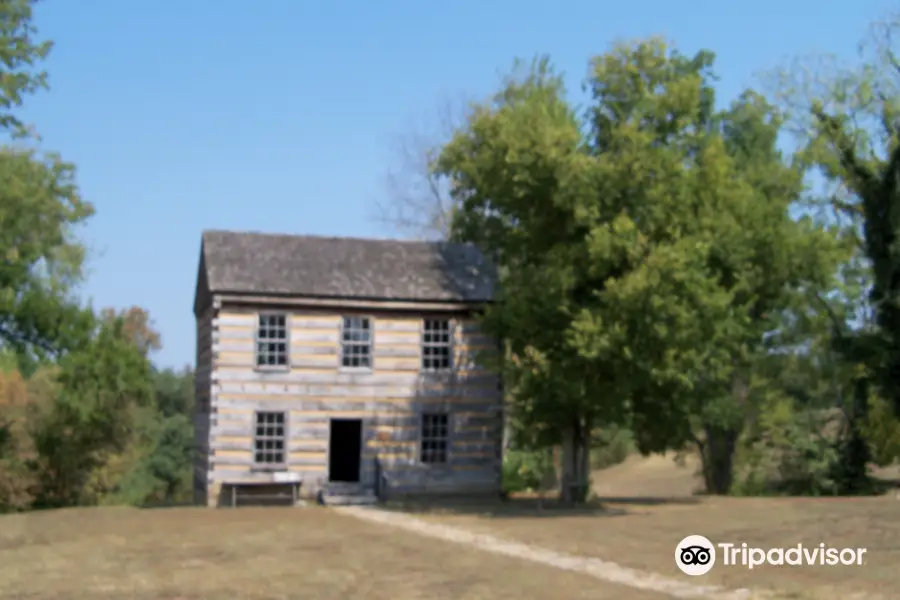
(244, 503)
(155, 505)
(527, 507)
(651, 500)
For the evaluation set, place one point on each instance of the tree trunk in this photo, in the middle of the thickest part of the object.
(575, 472)
(851, 473)
(717, 452)
(717, 456)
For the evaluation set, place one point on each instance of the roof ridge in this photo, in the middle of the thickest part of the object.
(313, 236)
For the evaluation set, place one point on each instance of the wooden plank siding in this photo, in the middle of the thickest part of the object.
(390, 399)
(202, 395)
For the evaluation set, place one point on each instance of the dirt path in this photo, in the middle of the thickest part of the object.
(600, 569)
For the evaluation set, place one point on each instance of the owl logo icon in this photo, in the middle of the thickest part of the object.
(695, 555)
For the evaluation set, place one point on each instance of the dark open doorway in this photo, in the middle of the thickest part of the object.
(344, 450)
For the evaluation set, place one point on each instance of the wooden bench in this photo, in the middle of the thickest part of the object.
(282, 494)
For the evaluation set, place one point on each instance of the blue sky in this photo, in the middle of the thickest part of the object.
(281, 115)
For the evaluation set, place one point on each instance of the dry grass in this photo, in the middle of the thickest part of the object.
(640, 521)
(189, 553)
(194, 553)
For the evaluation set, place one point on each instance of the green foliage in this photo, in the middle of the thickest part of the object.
(526, 470)
(174, 391)
(21, 55)
(40, 207)
(100, 388)
(164, 472)
(80, 420)
(788, 451)
(16, 480)
(157, 465)
(645, 250)
(612, 445)
(850, 118)
(882, 430)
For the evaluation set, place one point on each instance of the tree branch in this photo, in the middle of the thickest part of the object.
(833, 128)
(839, 324)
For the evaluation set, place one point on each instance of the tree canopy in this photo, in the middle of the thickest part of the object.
(646, 244)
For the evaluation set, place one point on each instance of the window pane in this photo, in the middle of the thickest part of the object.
(269, 440)
(434, 438)
(355, 342)
(436, 345)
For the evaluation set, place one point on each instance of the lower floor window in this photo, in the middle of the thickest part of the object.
(269, 439)
(435, 434)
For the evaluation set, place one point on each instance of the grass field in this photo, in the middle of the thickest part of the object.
(249, 553)
(194, 553)
(648, 508)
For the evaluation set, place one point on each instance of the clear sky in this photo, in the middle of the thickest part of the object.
(280, 115)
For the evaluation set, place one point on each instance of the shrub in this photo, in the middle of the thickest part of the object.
(526, 470)
(789, 453)
(882, 430)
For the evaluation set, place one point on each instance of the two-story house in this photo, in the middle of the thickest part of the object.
(338, 360)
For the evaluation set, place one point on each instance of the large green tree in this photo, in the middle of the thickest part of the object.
(854, 140)
(847, 115)
(92, 409)
(40, 206)
(644, 246)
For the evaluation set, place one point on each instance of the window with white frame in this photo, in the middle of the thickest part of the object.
(435, 438)
(437, 353)
(269, 439)
(272, 340)
(356, 343)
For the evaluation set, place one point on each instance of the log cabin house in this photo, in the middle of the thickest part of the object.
(343, 366)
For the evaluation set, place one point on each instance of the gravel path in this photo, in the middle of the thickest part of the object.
(600, 569)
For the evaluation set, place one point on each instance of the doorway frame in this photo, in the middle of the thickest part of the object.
(362, 440)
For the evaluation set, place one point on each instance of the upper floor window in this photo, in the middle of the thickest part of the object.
(356, 342)
(272, 340)
(436, 345)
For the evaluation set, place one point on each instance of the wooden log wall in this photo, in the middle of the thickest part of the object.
(390, 399)
(202, 392)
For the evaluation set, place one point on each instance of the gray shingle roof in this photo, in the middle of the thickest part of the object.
(258, 263)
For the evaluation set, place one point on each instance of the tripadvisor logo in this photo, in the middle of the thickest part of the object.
(697, 555)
